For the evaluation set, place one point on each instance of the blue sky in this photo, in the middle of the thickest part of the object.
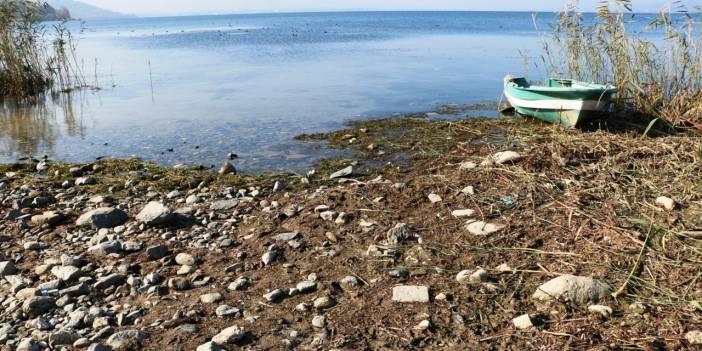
(176, 7)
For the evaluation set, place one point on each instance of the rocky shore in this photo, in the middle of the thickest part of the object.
(478, 234)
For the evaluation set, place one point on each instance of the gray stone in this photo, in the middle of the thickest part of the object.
(400, 233)
(7, 268)
(111, 280)
(76, 290)
(274, 296)
(179, 284)
(226, 310)
(38, 305)
(155, 213)
(105, 217)
(569, 288)
(222, 205)
(29, 344)
(104, 249)
(269, 257)
(324, 302)
(63, 337)
(286, 236)
(157, 252)
(229, 335)
(66, 273)
(209, 346)
(211, 298)
(306, 286)
(185, 259)
(85, 181)
(49, 217)
(342, 173)
(123, 337)
(227, 168)
(409, 293)
(522, 322)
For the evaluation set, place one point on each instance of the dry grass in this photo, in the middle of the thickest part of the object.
(32, 58)
(660, 78)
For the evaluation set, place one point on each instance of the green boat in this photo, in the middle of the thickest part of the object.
(565, 101)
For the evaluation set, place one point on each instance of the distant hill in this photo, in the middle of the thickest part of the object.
(49, 13)
(81, 10)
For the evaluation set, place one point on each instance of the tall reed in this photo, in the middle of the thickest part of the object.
(657, 70)
(33, 59)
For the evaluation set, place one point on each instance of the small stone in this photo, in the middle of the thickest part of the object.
(211, 298)
(227, 168)
(286, 236)
(306, 286)
(469, 190)
(342, 173)
(154, 214)
(400, 233)
(125, 337)
(185, 259)
(157, 252)
(482, 228)
(502, 158)
(522, 322)
(179, 284)
(85, 181)
(463, 277)
(350, 280)
(240, 283)
(462, 213)
(423, 325)
(105, 217)
(229, 335)
(38, 305)
(209, 346)
(7, 268)
(694, 337)
(601, 310)
(275, 295)
(319, 322)
(408, 293)
(467, 166)
(223, 205)
(115, 279)
(665, 202)
(479, 276)
(269, 257)
(435, 198)
(569, 288)
(327, 215)
(66, 273)
(226, 311)
(324, 302)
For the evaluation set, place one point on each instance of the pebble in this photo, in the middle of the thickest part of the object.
(409, 293)
(569, 288)
(185, 259)
(324, 302)
(522, 322)
(306, 286)
(463, 213)
(319, 322)
(229, 335)
(227, 168)
(601, 310)
(694, 337)
(435, 198)
(665, 202)
(226, 310)
(482, 228)
(211, 298)
(342, 173)
(275, 295)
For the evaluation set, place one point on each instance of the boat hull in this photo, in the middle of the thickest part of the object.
(566, 106)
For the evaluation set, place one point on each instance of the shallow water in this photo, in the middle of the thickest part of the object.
(206, 86)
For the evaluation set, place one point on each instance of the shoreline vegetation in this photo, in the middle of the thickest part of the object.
(481, 213)
(34, 59)
(499, 234)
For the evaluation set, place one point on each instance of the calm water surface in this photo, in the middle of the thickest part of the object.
(207, 86)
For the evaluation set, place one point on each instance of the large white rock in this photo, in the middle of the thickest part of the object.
(410, 293)
(229, 335)
(482, 228)
(522, 322)
(155, 213)
(570, 288)
(665, 202)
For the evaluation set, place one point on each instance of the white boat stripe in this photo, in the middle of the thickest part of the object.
(584, 105)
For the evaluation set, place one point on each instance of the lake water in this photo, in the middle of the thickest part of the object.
(206, 86)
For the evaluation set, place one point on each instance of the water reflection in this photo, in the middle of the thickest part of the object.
(30, 127)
